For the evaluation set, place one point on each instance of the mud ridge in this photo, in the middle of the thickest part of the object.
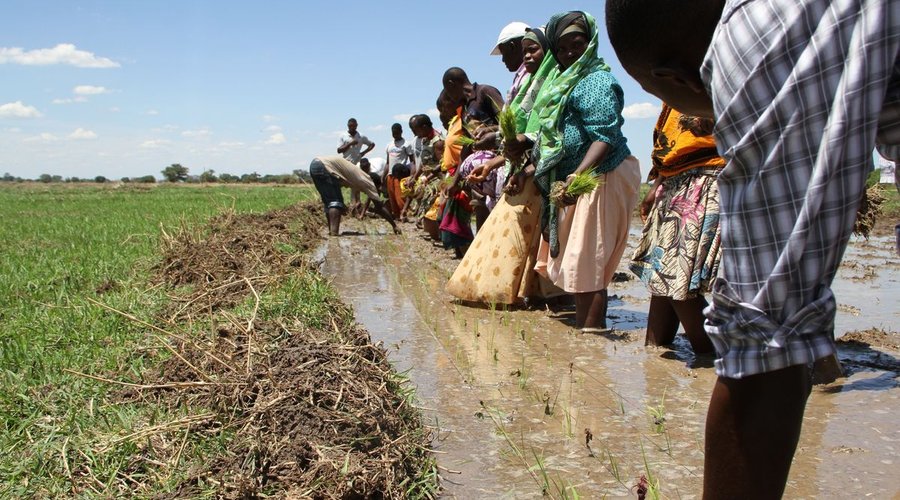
(307, 410)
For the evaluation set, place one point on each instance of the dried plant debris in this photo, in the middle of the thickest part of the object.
(234, 253)
(870, 208)
(301, 410)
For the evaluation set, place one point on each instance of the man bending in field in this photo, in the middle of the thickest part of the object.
(329, 174)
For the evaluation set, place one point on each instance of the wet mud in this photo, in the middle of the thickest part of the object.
(523, 405)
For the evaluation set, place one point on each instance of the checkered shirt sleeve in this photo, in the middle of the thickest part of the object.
(800, 90)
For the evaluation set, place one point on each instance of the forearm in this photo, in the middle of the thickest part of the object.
(596, 153)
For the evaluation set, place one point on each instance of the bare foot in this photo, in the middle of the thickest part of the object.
(826, 370)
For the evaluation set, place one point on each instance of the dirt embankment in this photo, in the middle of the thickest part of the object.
(304, 408)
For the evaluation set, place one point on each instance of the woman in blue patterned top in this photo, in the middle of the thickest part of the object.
(581, 131)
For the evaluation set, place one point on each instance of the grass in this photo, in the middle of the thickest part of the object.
(891, 205)
(59, 247)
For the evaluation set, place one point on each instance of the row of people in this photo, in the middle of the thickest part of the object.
(816, 105)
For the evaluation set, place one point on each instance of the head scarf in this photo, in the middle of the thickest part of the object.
(527, 98)
(548, 149)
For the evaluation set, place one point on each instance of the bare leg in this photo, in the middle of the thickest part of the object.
(385, 214)
(481, 215)
(334, 221)
(432, 228)
(752, 430)
(590, 309)
(662, 321)
(690, 313)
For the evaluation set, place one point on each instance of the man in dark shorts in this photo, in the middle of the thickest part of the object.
(329, 174)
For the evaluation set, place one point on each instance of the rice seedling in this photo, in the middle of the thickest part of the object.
(649, 481)
(464, 141)
(507, 120)
(583, 183)
(658, 415)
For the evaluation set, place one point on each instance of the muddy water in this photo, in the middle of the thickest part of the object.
(512, 394)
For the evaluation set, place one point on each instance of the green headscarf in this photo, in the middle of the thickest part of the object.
(548, 149)
(529, 95)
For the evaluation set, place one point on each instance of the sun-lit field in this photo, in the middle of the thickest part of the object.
(94, 336)
(60, 248)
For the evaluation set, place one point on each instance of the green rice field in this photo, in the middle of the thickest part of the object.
(61, 248)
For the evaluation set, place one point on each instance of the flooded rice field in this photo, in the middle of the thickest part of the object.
(522, 404)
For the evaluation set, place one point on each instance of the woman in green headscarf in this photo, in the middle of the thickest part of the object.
(581, 132)
(499, 265)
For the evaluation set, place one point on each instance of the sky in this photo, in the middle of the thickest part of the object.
(126, 88)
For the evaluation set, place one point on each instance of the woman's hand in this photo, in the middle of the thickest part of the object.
(479, 174)
(518, 146)
(648, 201)
(568, 199)
(516, 184)
(484, 130)
(486, 142)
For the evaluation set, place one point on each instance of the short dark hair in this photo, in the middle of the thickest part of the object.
(629, 21)
(420, 120)
(456, 74)
(352, 120)
(396, 125)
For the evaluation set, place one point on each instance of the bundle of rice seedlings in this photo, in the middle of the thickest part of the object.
(868, 211)
(583, 183)
(464, 141)
(507, 120)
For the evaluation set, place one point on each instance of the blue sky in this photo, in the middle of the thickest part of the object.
(125, 88)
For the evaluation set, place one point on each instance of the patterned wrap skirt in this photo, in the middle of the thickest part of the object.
(678, 256)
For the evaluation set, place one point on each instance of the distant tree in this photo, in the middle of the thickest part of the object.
(147, 179)
(56, 178)
(73, 179)
(209, 176)
(45, 178)
(125, 179)
(8, 177)
(100, 179)
(303, 175)
(250, 178)
(175, 173)
(229, 178)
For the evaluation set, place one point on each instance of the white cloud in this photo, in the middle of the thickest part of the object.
(276, 139)
(70, 100)
(231, 144)
(434, 112)
(14, 130)
(642, 110)
(155, 143)
(269, 118)
(203, 132)
(89, 90)
(377, 128)
(18, 110)
(403, 118)
(81, 133)
(44, 137)
(114, 109)
(64, 53)
(152, 112)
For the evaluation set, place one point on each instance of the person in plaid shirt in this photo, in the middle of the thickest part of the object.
(801, 91)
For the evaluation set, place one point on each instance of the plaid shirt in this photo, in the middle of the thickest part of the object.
(800, 90)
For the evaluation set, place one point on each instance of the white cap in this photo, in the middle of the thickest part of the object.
(509, 32)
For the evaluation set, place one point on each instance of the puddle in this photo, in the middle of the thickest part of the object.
(513, 394)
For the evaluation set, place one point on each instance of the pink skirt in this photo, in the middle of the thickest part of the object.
(593, 233)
